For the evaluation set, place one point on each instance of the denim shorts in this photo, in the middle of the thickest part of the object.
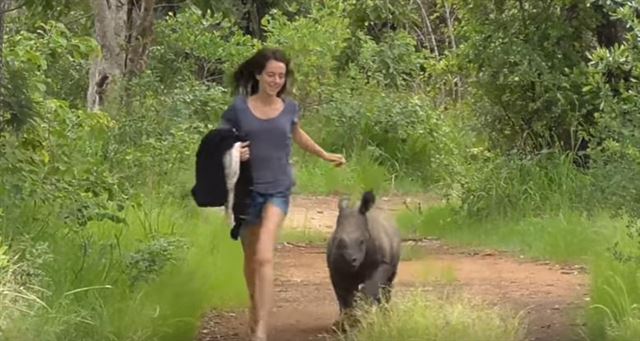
(259, 200)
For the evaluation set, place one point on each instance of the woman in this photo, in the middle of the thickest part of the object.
(270, 121)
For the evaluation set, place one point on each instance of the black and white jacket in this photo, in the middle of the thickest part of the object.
(221, 178)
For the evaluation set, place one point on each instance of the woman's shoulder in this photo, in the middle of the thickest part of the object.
(289, 100)
(238, 100)
(238, 104)
(291, 103)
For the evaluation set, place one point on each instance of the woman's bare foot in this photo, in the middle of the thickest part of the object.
(259, 333)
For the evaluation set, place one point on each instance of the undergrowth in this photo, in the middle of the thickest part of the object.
(152, 277)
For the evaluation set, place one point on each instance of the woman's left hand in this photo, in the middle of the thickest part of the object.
(336, 159)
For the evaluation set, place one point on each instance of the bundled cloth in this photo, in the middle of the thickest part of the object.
(221, 178)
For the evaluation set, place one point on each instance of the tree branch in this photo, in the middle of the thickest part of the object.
(450, 24)
(425, 18)
(13, 9)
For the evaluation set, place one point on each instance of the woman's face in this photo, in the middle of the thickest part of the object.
(272, 78)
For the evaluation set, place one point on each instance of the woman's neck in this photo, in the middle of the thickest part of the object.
(266, 98)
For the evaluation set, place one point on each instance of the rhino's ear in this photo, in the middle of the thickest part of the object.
(343, 203)
(367, 201)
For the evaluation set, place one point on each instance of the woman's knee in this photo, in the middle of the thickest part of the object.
(262, 260)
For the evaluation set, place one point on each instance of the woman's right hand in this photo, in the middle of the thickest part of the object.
(336, 159)
(244, 151)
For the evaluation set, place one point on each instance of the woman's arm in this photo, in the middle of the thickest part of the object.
(305, 142)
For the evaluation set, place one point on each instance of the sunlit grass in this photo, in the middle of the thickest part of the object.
(419, 316)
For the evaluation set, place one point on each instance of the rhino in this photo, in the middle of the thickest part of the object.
(363, 253)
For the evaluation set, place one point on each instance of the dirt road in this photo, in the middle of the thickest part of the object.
(550, 296)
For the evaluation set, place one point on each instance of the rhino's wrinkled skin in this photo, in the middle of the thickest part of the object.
(362, 253)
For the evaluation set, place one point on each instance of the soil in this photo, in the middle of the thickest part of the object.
(549, 296)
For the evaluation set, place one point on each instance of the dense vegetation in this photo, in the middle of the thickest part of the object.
(522, 114)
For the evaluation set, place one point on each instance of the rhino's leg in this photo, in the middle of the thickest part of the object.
(379, 282)
(345, 293)
(387, 287)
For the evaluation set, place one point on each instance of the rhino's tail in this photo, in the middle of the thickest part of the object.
(368, 199)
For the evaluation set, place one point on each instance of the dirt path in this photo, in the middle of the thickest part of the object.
(548, 295)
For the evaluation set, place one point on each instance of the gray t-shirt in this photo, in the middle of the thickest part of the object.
(270, 143)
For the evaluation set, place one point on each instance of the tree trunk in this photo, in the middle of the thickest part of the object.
(140, 28)
(448, 14)
(108, 68)
(3, 7)
(252, 13)
(124, 29)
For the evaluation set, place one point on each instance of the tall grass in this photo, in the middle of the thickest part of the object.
(515, 187)
(416, 316)
(361, 172)
(614, 313)
(15, 301)
(564, 237)
(151, 278)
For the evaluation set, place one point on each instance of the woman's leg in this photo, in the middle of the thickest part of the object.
(259, 248)
(248, 246)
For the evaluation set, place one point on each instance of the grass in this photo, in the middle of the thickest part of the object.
(152, 278)
(417, 316)
(14, 300)
(614, 313)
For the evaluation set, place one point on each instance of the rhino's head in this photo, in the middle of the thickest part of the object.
(352, 233)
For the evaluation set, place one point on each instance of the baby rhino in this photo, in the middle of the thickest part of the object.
(362, 253)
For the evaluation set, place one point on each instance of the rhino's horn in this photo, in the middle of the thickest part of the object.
(343, 203)
(368, 199)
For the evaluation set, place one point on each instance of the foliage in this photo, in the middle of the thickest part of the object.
(613, 84)
(36, 61)
(190, 46)
(398, 130)
(524, 60)
(395, 62)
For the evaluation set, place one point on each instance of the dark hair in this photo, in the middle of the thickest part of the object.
(244, 78)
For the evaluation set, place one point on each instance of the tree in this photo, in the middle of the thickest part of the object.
(124, 30)
(248, 13)
(2, 10)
